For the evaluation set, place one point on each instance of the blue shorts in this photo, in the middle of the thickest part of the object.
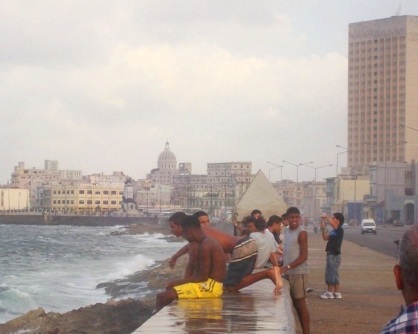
(331, 270)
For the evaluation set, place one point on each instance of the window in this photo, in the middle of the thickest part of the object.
(113, 202)
(80, 202)
(113, 192)
(81, 191)
(89, 192)
(97, 192)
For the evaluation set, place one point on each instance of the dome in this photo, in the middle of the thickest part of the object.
(167, 156)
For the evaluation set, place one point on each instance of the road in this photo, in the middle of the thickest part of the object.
(382, 242)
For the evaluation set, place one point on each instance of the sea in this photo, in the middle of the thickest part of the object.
(58, 267)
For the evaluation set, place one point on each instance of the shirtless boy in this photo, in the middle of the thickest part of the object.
(209, 273)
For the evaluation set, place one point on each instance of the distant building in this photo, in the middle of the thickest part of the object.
(14, 199)
(382, 97)
(82, 197)
(33, 179)
(167, 167)
(51, 165)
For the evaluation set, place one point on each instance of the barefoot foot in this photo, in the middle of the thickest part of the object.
(275, 276)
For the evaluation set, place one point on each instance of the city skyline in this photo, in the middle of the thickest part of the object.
(101, 86)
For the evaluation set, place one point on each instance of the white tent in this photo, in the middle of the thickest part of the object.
(260, 195)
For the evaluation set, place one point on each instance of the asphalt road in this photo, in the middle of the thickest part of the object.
(382, 242)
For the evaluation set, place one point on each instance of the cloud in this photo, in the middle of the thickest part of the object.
(101, 86)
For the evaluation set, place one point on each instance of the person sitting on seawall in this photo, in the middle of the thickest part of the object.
(266, 250)
(273, 226)
(243, 229)
(333, 248)
(406, 277)
(240, 252)
(209, 273)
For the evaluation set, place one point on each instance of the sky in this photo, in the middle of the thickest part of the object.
(101, 86)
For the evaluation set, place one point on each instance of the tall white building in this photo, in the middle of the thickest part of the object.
(382, 91)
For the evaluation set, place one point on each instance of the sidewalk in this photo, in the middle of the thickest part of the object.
(370, 298)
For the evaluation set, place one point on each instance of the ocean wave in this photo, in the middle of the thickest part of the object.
(125, 268)
(14, 301)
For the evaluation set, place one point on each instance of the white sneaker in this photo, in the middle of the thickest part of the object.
(338, 295)
(327, 295)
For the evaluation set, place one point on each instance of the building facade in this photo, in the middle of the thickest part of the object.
(14, 199)
(382, 86)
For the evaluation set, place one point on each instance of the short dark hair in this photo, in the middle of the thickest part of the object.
(177, 218)
(259, 223)
(274, 219)
(255, 211)
(340, 217)
(292, 209)
(190, 222)
(199, 214)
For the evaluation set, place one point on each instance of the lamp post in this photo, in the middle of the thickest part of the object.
(375, 146)
(338, 155)
(160, 198)
(297, 167)
(316, 168)
(210, 208)
(277, 166)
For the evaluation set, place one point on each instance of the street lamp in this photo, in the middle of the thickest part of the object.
(338, 155)
(297, 167)
(375, 146)
(316, 168)
(277, 166)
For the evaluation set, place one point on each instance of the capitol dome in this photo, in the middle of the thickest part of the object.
(167, 159)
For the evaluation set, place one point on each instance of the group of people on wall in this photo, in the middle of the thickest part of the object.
(220, 262)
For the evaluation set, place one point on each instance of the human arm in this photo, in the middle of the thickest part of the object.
(179, 253)
(238, 226)
(333, 222)
(202, 261)
(303, 255)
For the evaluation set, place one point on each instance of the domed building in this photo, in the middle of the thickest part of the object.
(167, 167)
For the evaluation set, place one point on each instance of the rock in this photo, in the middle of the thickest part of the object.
(113, 317)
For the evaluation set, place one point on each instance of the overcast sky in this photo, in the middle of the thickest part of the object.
(102, 85)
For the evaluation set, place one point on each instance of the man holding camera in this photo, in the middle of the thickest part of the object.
(335, 239)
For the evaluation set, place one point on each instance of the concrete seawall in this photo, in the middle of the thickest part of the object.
(254, 309)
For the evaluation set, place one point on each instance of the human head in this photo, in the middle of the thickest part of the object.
(293, 217)
(255, 213)
(406, 272)
(256, 224)
(274, 223)
(284, 221)
(340, 217)
(202, 217)
(189, 226)
(175, 223)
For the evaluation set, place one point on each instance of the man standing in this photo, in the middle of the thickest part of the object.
(335, 239)
(406, 274)
(209, 272)
(295, 265)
